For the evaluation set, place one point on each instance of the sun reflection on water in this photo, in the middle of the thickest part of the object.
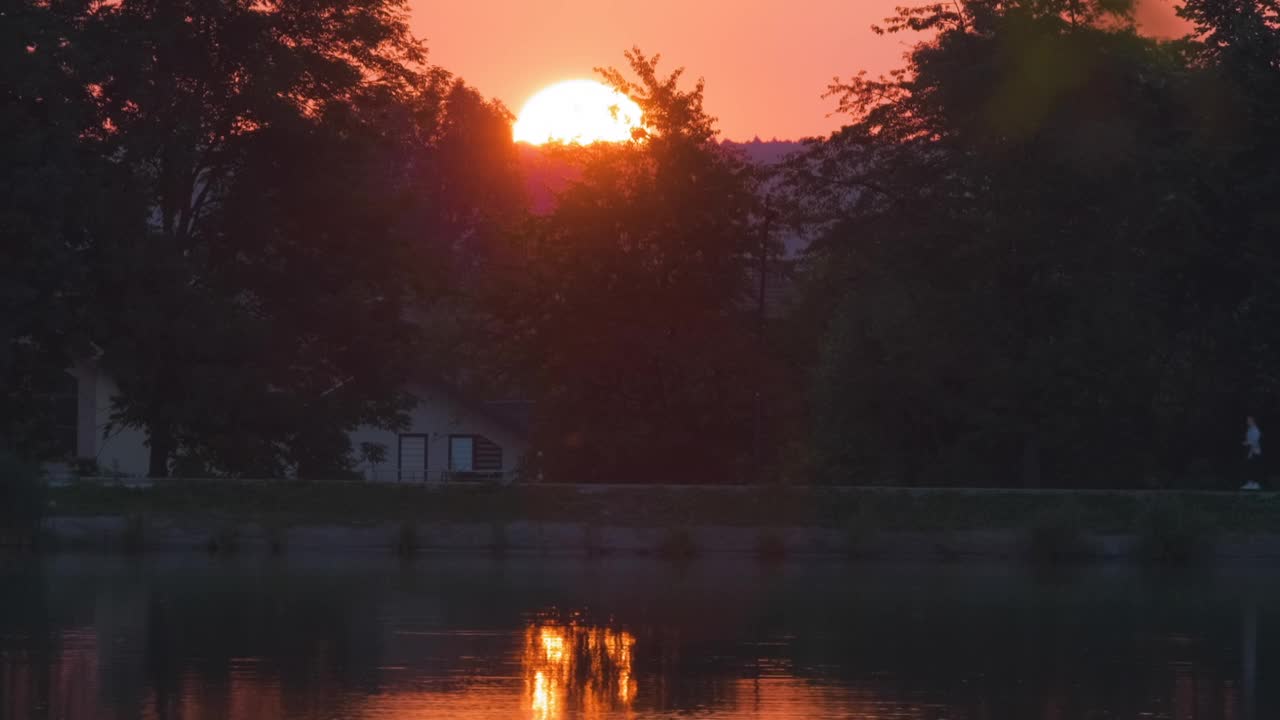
(578, 669)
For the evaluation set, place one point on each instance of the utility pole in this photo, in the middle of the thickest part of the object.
(764, 269)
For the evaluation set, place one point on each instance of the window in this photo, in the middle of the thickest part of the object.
(474, 454)
(412, 457)
(462, 453)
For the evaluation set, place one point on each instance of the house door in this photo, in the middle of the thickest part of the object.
(462, 453)
(413, 458)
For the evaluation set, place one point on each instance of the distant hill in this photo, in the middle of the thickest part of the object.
(766, 152)
(772, 152)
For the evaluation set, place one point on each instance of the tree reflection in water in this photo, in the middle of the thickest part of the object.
(570, 668)
(174, 639)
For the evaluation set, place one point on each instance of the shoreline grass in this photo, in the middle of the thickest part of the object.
(912, 510)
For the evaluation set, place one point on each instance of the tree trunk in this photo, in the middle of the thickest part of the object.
(161, 442)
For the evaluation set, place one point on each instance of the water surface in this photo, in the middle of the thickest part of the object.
(185, 637)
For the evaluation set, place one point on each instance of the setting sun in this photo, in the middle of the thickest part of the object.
(579, 112)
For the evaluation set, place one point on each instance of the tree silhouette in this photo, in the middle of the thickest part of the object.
(629, 316)
(1015, 223)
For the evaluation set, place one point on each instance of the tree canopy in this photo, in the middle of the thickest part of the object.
(290, 185)
(1039, 281)
(1043, 249)
(628, 314)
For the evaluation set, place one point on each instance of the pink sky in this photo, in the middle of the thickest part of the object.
(766, 62)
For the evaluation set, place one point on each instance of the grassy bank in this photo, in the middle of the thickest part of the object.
(285, 503)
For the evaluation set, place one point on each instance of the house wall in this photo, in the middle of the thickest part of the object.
(122, 451)
(437, 416)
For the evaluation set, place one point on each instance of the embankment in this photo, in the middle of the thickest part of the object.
(677, 521)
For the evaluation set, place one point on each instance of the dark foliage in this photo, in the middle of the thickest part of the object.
(238, 211)
(628, 315)
(1047, 252)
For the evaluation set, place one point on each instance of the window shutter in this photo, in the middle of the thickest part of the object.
(488, 455)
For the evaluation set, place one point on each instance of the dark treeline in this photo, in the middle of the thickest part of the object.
(1042, 251)
(1049, 249)
(238, 208)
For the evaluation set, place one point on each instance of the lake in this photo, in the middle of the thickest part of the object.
(187, 637)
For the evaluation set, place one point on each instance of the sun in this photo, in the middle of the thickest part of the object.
(577, 112)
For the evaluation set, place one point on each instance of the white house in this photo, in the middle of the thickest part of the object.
(118, 451)
(448, 437)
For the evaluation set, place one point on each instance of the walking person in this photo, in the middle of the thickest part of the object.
(1253, 455)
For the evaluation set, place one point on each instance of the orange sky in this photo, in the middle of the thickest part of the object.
(766, 62)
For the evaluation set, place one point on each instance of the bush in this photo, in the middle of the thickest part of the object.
(1058, 535)
(1171, 531)
(23, 499)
